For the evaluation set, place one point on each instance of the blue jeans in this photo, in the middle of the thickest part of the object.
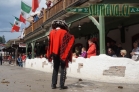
(20, 64)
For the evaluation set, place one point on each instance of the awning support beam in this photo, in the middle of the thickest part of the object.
(33, 46)
(101, 27)
(26, 48)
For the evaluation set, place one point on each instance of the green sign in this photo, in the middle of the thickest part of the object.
(134, 10)
(79, 10)
(106, 10)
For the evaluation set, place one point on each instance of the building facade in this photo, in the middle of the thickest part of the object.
(100, 27)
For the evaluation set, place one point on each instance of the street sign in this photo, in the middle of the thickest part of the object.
(79, 10)
(134, 10)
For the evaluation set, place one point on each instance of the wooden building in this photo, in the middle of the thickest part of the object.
(84, 26)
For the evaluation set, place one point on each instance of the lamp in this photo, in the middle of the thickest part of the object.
(79, 27)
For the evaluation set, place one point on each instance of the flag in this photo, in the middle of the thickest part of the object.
(12, 27)
(11, 24)
(25, 10)
(16, 25)
(35, 4)
(22, 33)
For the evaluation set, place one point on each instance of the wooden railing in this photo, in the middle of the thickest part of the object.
(37, 24)
(55, 9)
(28, 30)
(48, 13)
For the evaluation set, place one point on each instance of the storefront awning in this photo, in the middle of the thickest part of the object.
(22, 45)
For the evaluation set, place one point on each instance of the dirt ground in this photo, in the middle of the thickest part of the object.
(16, 79)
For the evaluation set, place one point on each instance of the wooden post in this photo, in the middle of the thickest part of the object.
(44, 15)
(25, 32)
(64, 4)
(16, 55)
(26, 48)
(102, 34)
(32, 26)
(101, 27)
(33, 45)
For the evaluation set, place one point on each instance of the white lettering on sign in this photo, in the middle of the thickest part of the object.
(137, 10)
(74, 10)
(86, 9)
(80, 10)
(132, 10)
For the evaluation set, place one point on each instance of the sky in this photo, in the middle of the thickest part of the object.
(9, 9)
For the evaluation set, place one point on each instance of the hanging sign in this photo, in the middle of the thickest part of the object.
(79, 10)
(106, 10)
(134, 10)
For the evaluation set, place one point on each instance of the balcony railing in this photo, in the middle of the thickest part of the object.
(38, 23)
(48, 13)
(55, 9)
(28, 30)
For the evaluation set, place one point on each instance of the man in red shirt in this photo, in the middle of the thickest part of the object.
(60, 44)
(23, 59)
(92, 49)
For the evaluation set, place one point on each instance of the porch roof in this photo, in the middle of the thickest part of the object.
(67, 16)
(88, 27)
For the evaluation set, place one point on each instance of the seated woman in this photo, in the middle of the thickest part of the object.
(74, 55)
(135, 51)
(123, 53)
(83, 53)
(77, 51)
(111, 53)
(41, 56)
(92, 49)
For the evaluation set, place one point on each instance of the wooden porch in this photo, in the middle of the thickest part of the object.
(49, 13)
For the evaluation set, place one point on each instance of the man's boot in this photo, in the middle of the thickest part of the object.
(53, 86)
(62, 79)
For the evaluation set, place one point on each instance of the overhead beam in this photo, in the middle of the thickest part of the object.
(75, 18)
(94, 21)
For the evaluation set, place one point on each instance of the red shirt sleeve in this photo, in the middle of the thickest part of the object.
(91, 49)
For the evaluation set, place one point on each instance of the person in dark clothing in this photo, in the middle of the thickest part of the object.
(111, 53)
(107, 47)
(1, 59)
(119, 48)
(41, 12)
(59, 49)
(29, 55)
(77, 51)
(113, 46)
(19, 59)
